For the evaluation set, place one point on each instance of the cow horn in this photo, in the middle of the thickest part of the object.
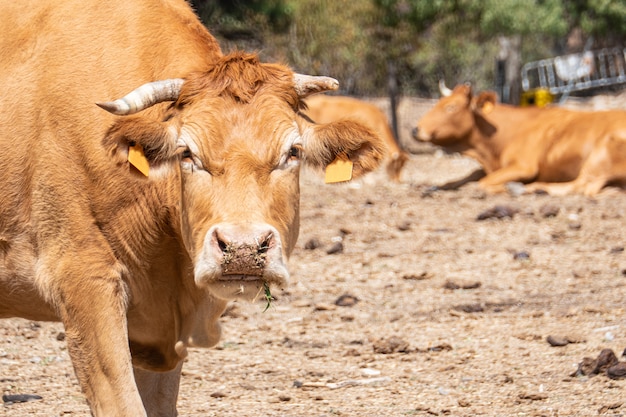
(445, 91)
(306, 85)
(145, 96)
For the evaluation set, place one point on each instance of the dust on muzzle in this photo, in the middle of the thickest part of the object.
(237, 260)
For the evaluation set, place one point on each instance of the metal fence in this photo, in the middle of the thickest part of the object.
(575, 72)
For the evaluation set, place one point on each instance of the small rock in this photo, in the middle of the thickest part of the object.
(20, 398)
(585, 367)
(346, 300)
(60, 336)
(442, 347)
(404, 226)
(498, 212)
(606, 359)
(574, 226)
(533, 397)
(589, 366)
(218, 394)
(521, 256)
(391, 345)
(417, 277)
(451, 285)
(549, 210)
(617, 249)
(617, 371)
(557, 341)
(324, 307)
(469, 308)
(312, 243)
(463, 403)
(370, 372)
(336, 248)
(284, 398)
(606, 408)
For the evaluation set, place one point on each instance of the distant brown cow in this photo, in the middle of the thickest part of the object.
(326, 109)
(135, 231)
(559, 151)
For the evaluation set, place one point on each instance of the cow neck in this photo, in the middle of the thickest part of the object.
(137, 215)
(486, 141)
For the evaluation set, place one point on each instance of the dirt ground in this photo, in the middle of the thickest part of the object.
(425, 311)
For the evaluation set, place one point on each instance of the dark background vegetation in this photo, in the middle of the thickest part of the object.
(362, 42)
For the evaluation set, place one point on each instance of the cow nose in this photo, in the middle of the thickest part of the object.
(244, 251)
(414, 132)
(237, 260)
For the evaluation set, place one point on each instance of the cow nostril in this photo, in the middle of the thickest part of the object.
(224, 247)
(265, 243)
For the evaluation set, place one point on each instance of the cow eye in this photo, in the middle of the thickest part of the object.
(295, 153)
(186, 156)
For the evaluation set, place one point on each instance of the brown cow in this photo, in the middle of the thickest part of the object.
(325, 109)
(557, 150)
(135, 231)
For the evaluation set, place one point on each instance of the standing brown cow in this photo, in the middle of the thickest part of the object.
(325, 109)
(135, 231)
(551, 149)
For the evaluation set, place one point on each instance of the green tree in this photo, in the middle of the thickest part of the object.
(424, 40)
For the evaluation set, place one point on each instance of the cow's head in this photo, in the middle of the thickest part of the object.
(235, 140)
(454, 116)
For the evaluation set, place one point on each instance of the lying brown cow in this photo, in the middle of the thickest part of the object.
(135, 231)
(326, 109)
(559, 151)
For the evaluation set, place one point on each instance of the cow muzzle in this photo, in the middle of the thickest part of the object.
(237, 261)
(420, 135)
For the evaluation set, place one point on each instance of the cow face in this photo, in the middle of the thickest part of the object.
(235, 141)
(451, 120)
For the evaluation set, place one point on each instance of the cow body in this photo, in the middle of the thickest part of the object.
(140, 267)
(551, 149)
(326, 109)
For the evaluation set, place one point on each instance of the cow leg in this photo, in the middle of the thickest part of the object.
(552, 188)
(93, 310)
(495, 181)
(456, 184)
(605, 164)
(159, 390)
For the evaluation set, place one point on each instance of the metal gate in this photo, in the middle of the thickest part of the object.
(575, 72)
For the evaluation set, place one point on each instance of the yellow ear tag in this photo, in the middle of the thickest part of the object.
(487, 107)
(339, 170)
(138, 159)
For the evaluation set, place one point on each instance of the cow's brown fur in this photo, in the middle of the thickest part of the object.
(325, 109)
(132, 265)
(551, 149)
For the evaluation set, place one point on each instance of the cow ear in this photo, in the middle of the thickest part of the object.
(154, 141)
(485, 102)
(347, 139)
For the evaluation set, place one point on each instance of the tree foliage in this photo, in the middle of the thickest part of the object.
(355, 41)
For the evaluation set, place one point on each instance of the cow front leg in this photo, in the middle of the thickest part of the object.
(93, 311)
(159, 390)
(456, 184)
(496, 181)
